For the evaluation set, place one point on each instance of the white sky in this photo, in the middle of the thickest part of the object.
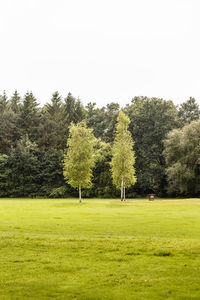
(101, 50)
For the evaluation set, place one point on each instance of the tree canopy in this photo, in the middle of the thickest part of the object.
(80, 159)
(123, 158)
(182, 154)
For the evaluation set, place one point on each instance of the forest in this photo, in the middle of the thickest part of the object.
(33, 141)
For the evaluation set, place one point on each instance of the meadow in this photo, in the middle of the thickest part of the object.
(100, 249)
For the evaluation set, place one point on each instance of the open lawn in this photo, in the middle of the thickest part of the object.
(100, 249)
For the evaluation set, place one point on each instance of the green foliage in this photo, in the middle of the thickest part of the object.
(24, 162)
(123, 158)
(5, 173)
(182, 154)
(48, 128)
(9, 122)
(74, 110)
(188, 111)
(111, 114)
(79, 160)
(29, 117)
(151, 119)
(96, 119)
(58, 192)
(15, 102)
(50, 175)
(3, 102)
(53, 128)
(103, 120)
(9, 132)
(102, 180)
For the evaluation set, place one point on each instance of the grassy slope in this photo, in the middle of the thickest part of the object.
(101, 249)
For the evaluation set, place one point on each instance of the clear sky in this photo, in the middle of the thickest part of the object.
(101, 50)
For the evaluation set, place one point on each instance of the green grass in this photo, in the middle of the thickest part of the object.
(101, 249)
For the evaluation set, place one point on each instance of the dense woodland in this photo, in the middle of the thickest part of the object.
(33, 143)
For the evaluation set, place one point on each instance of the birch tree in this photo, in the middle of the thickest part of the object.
(123, 157)
(79, 160)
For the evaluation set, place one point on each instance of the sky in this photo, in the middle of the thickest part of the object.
(101, 50)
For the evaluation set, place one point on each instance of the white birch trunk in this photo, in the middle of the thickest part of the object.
(124, 193)
(80, 200)
(122, 190)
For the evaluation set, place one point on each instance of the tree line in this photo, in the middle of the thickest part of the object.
(33, 143)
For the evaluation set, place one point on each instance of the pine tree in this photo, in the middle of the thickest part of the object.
(9, 132)
(74, 110)
(3, 102)
(24, 163)
(5, 174)
(123, 158)
(54, 107)
(79, 161)
(53, 128)
(29, 117)
(14, 102)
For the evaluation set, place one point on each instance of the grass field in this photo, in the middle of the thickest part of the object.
(101, 249)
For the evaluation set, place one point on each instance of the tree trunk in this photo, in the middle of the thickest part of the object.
(124, 194)
(80, 200)
(122, 190)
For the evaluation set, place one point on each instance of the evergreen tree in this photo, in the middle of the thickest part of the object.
(56, 104)
(79, 161)
(53, 127)
(24, 163)
(9, 126)
(3, 102)
(123, 158)
(15, 102)
(74, 110)
(29, 117)
(5, 173)
(8, 131)
(51, 172)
